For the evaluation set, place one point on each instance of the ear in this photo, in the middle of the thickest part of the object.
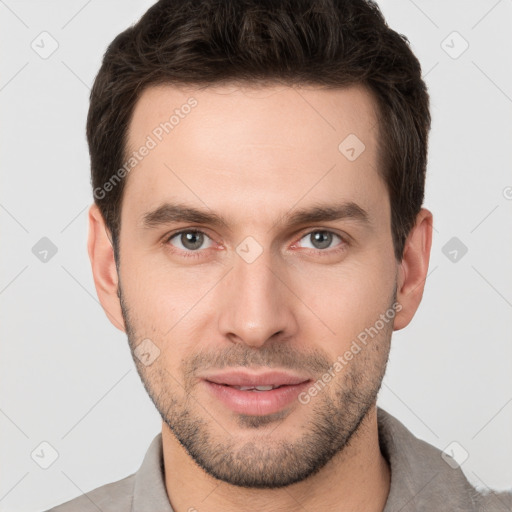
(101, 254)
(412, 271)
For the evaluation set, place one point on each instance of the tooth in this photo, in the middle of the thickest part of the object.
(254, 388)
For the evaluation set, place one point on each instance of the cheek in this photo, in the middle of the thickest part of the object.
(167, 303)
(347, 299)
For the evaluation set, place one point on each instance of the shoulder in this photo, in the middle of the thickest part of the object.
(425, 478)
(115, 496)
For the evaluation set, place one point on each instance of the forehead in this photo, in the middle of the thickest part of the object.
(262, 112)
(248, 146)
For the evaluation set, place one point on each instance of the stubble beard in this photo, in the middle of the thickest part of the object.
(269, 461)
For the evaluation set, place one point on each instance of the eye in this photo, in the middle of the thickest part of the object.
(190, 240)
(321, 239)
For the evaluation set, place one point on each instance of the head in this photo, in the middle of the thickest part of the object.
(258, 171)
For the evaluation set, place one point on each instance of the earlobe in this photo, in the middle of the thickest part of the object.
(413, 268)
(101, 254)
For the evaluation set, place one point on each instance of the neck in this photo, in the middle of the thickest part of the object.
(358, 478)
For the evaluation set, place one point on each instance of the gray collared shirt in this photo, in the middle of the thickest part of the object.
(421, 480)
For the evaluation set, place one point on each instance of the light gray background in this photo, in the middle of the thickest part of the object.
(67, 377)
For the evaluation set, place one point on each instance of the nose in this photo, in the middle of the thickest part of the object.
(256, 303)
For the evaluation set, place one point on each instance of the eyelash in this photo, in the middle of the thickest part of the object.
(197, 253)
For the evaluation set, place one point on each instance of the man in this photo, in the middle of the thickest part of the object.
(258, 171)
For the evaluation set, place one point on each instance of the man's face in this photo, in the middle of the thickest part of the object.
(226, 303)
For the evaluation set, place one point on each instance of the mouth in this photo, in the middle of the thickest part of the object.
(256, 394)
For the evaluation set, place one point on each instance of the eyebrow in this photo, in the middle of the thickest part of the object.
(168, 213)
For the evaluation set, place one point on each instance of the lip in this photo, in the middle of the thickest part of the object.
(256, 403)
(244, 377)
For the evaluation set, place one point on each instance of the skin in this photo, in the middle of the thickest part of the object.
(256, 155)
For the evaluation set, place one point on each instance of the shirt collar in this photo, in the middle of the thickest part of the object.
(149, 492)
(421, 480)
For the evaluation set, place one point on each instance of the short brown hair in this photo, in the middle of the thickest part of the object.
(334, 43)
